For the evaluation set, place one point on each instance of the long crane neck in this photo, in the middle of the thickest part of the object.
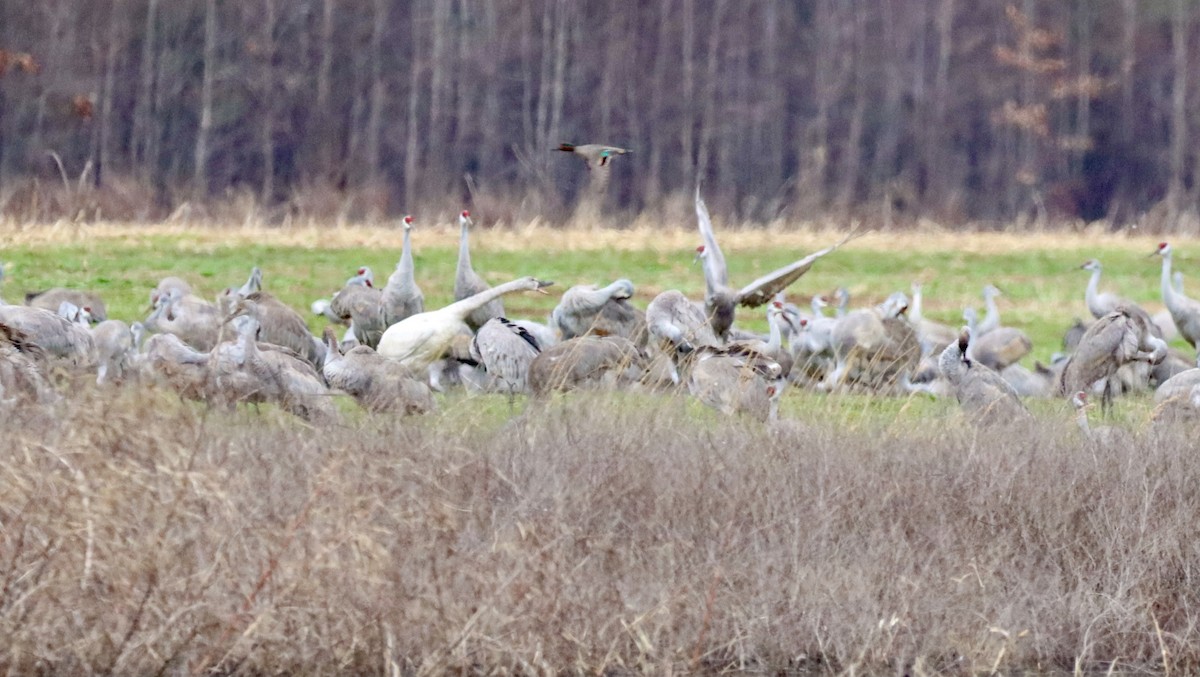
(1170, 297)
(464, 248)
(406, 259)
(461, 309)
(775, 338)
(1093, 286)
(914, 308)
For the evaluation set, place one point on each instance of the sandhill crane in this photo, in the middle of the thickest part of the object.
(1099, 304)
(419, 340)
(505, 351)
(721, 300)
(934, 336)
(734, 383)
(772, 348)
(192, 319)
(21, 368)
(401, 296)
(601, 362)
(1179, 385)
(166, 286)
(171, 362)
(999, 348)
(1073, 334)
(984, 396)
(281, 325)
(874, 346)
(272, 374)
(51, 299)
(1122, 337)
(375, 382)
(579, 310)
(362, 307)
(57, 336)
(679, 324)
(991, 319)
(114, 350)
(468, 283)
(1038, 382)
(841, 297)
(230, 296)
(1184, 311)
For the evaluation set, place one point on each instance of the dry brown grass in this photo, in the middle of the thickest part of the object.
(641, 235)
(586, 537)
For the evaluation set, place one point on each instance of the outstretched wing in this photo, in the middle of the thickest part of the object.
(766, 287)
(714, 260)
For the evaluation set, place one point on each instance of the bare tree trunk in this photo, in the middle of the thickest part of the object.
(852, 153)
(324, 112)
(770, 142)
(378, 91)
(104, 156)
(1128, 59)
(200, 166)
(143, 126)
(658, 118)
(688, 99)
(491, 147)
(267, 101)
(412, 147)
(708, 120)
(1178, 143)
(936, 156)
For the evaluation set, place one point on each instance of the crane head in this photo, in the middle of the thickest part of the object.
(464, 218)
(964, 340)
(1090, 264)
(701, 253)
(1080, 400)
(1163, 249)
(408, 221)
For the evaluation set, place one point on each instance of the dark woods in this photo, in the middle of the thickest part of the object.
(883, 110)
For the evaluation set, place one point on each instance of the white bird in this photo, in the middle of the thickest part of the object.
(505, 351)
(1184, 311)
(401, 296)
(721, 300)
(420, 340)
(375, 382)
(468, 283)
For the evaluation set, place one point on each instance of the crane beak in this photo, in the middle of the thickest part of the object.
(542, 284)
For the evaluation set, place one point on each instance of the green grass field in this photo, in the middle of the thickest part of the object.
(1038, 273)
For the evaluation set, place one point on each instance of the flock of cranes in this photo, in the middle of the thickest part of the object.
(248, 346)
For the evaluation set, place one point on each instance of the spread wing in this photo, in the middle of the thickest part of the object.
(714, 260)
(766, 287)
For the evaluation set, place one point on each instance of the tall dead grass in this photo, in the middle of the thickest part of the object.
(587, 535)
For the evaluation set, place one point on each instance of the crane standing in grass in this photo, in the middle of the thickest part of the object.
(468, 283)
(1124, 336)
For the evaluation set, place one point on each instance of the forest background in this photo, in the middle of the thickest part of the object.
(884, 111)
